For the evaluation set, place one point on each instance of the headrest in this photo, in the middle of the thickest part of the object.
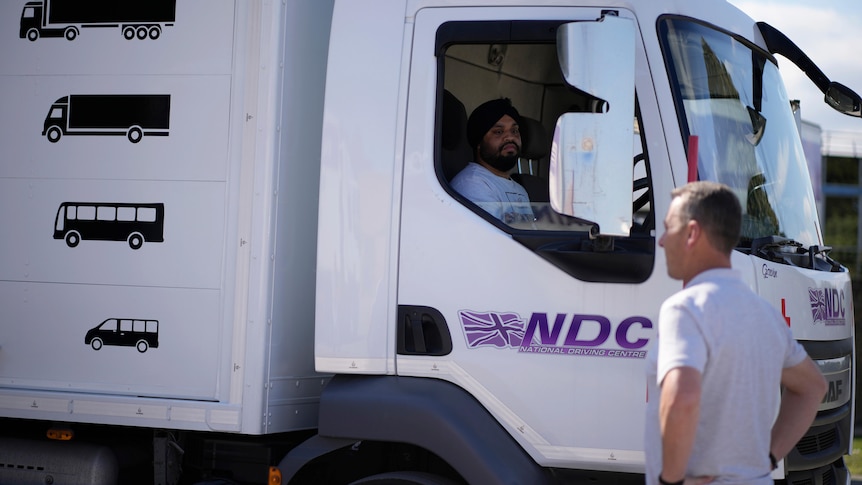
(534, 140)
(454, 121)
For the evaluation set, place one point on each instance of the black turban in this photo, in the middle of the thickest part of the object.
(486, 116)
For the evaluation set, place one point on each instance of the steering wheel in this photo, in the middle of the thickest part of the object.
(642, 200)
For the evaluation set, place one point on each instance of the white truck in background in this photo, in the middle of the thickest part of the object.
(328, 309)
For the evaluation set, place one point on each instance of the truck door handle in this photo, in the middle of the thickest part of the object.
(422, 330)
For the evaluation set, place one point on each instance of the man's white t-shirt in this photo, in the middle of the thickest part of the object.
(503, 198)
(740, 344)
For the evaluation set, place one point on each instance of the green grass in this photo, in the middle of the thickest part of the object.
(854, 461)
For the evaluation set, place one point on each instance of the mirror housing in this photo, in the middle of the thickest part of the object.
(843, 99)
(591, 155)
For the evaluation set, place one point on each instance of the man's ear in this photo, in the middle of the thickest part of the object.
(694, 233)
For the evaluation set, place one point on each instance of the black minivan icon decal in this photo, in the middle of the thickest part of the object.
(127, 332)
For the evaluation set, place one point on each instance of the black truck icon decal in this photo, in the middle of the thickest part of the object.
(106, 221)
(127, 332)
(66, 18)
(132, 115)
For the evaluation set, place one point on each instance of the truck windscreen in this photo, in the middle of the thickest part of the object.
(737, 122)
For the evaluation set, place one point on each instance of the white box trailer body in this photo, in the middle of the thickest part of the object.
(210, 276)
(317, 273)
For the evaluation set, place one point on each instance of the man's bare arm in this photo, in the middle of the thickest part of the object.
(804, 388)
(679, 410)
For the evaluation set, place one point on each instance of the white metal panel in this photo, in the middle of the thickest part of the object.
(195, 148)
(358, 189)
(34, 404)
(202, 28)
(817, 305)
(279, 352)
(189, 257)
(43, 345)
(108, 409)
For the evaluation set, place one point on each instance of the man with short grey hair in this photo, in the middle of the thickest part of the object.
(722, 355)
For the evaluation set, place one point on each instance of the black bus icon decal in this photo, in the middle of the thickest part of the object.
(129, 115)
(65, 18)
(105, 221)
(127, 332)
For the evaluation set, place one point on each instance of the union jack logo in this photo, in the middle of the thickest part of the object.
(499, 330)
(817, 297)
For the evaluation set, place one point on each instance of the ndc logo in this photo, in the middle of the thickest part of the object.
(827, 306)
(584, 335)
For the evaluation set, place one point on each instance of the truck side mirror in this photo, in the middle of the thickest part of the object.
(591, 154)
(843, 99)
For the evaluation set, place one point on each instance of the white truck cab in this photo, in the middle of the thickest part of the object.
(546, 324)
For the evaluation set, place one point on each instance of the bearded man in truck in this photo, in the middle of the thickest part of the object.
(495, 138)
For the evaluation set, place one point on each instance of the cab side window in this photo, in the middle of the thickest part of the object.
(513, 68)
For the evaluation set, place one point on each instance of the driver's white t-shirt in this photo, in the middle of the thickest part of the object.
(503, 198)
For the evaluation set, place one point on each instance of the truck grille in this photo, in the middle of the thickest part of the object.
(832, 474)
(826, 478)
(812, 444)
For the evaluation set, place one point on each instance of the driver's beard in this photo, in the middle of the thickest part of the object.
(503, 163)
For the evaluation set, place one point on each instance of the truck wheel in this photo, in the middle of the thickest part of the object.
(96, 343)
(128, 32)
(155, 32)
(32, 35)
(135, 134)
(404, 478)
(54, 133)
(72, 239)
(136, 241)
(142, 32)
(71, 33)
(142, 346)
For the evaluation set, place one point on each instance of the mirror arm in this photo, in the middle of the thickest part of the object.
(836, 95)
(778, 43)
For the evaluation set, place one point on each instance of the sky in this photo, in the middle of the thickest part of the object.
(830, 32)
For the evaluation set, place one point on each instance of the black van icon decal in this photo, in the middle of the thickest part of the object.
(127, 332)
(129, 115)
(110, 221)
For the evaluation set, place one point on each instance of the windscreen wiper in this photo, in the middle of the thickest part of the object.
(787, 251)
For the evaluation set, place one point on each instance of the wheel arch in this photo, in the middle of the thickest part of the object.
(433, 414)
